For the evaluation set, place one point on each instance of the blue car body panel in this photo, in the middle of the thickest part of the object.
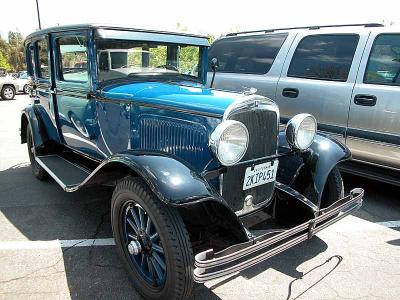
(184, 96)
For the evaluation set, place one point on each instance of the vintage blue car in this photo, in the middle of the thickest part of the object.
(206, 183)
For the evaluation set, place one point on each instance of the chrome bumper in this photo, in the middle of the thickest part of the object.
(210, 265)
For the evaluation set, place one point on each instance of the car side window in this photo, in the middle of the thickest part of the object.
(31, 59)
(246, 54)
(73, 57)
(43, 70)
(384, 61)
(324, 57)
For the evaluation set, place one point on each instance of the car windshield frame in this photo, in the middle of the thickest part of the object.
(113, 41)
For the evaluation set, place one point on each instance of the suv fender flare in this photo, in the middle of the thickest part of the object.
(323, 155)
(172, 180)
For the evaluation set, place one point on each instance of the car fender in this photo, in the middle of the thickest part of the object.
(172, 180)
(30, 117)
(319, 160)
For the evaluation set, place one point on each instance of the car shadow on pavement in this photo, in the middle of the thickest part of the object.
(41, 211)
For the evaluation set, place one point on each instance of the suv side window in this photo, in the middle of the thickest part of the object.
(73, 58)
(384, 61)
(324, 57)
(42, 48)
(246, 54)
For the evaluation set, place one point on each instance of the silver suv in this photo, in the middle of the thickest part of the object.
(347, 76)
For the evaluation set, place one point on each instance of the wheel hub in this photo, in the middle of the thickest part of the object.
(145, 241)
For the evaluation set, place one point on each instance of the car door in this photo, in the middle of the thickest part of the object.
(76, 109)
(318, 78)
(39, 59)
(250, 61)
(374, 119)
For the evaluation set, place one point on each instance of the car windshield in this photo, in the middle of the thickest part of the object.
(122, 59)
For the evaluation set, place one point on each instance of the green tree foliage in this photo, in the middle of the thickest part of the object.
(12, 52)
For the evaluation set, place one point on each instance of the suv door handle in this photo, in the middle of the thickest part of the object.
(290, 93)
(365, 100)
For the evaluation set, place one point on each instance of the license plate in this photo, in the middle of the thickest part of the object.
(260, 174)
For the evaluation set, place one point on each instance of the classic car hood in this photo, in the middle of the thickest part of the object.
(185, 97)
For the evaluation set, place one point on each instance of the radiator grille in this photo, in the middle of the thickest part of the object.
(178, 137)
(263, 132)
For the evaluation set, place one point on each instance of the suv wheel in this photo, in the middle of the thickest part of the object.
(8, 92)
(37, 169)
(26, 89)
(152, 241)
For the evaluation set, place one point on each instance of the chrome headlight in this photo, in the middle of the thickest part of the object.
(301, 130)
(229, 142)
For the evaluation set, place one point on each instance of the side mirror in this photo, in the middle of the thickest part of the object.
(214, 67)
(214, 64)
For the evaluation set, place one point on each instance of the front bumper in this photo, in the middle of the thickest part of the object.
(210, 265)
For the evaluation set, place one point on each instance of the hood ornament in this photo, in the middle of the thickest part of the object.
(249, 90)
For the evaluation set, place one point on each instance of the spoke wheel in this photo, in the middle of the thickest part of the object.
(37, 170)
(143, 244)
(152, 241)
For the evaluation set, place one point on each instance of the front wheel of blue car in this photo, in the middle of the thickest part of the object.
(152, 241)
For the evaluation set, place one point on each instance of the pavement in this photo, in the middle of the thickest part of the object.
(55, 245)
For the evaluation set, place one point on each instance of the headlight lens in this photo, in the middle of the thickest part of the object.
(229, 142)
(301, 130)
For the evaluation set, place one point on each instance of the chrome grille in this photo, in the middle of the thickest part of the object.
(262, 125)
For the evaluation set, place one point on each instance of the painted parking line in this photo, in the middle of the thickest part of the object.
(20, 245)
(390, 224)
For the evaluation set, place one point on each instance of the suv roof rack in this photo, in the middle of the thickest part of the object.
(306, 27)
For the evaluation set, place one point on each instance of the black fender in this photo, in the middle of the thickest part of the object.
(172, 180)
(30, 117)
(319, 160)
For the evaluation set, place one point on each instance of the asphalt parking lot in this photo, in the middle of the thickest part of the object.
(58, 245)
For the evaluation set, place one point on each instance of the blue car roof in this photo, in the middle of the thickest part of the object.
(198, 39)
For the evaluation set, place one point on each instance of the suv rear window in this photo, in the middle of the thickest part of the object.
(324, 57)
(246, 54)
(384, 62)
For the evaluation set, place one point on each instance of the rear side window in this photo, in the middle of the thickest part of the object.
(246, 54)
(73, 57)
(384, 61)
(324, 57)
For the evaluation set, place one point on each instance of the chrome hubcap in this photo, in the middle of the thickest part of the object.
(134, 248)
(8, 93)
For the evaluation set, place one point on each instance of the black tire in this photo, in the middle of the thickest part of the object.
(37, 170)
(8, 92)
(173, 238)
(26, 89)
(334, 188)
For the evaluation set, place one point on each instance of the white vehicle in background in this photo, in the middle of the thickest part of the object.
(9, 85)
(23, 82)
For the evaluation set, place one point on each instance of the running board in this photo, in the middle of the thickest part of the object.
(67, 174)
